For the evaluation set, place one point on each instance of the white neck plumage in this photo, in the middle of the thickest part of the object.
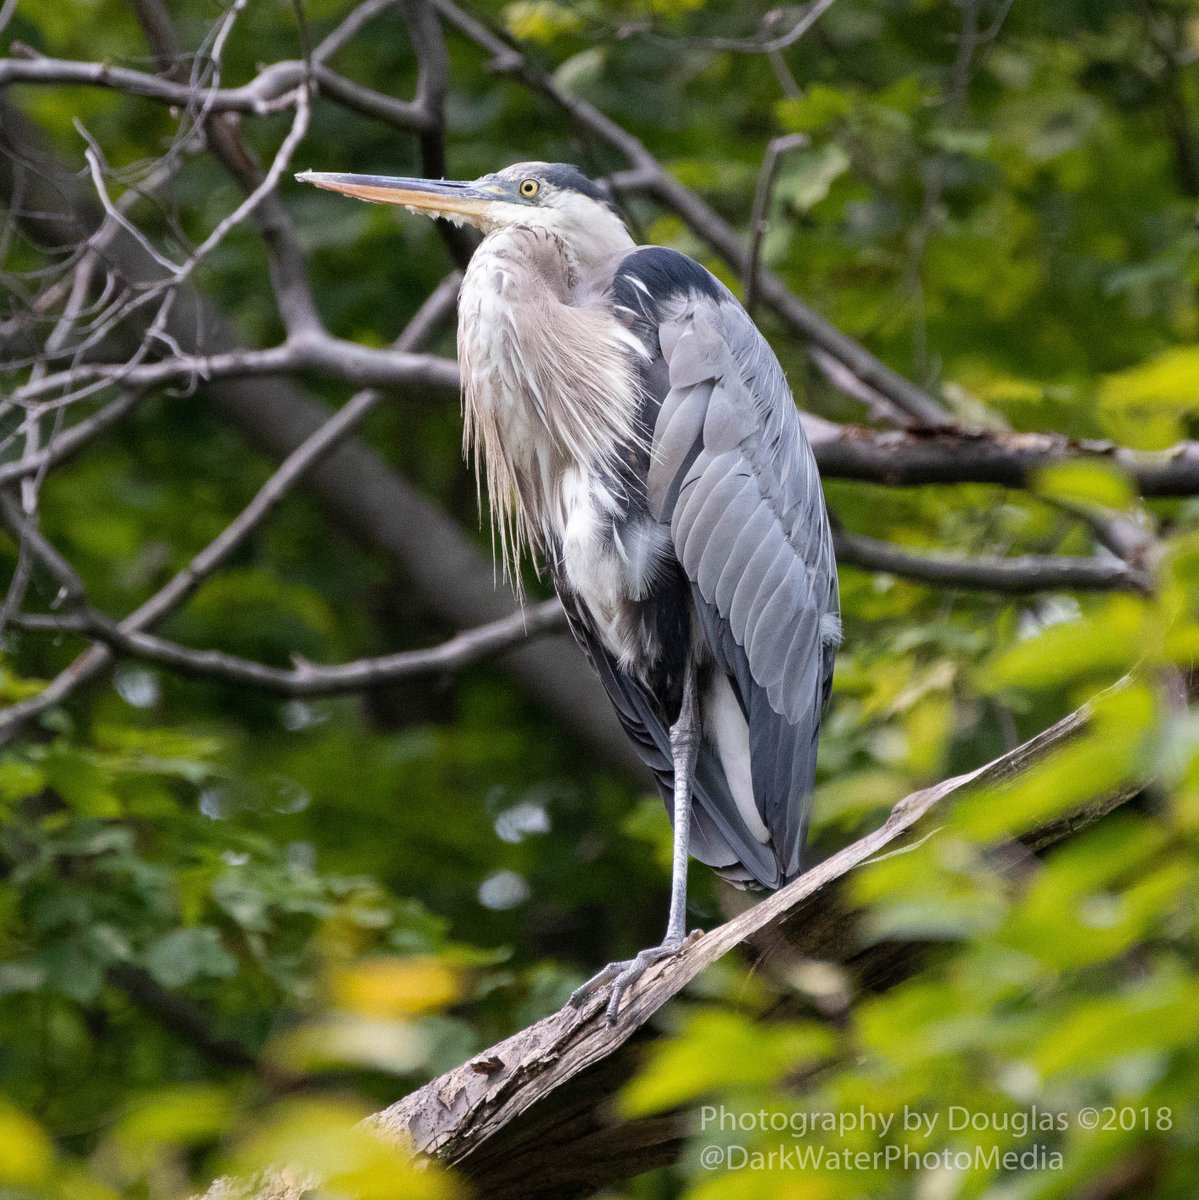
(548, 378)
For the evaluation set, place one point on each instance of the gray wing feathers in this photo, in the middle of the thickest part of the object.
(732, 473)
(676, 439)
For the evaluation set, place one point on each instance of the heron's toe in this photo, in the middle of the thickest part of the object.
(596, 983)
(622, 975)
(632, 971)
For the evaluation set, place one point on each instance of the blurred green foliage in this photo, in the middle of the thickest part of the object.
(357, 894)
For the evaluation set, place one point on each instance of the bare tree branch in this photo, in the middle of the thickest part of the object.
(431, 87)
(188, 1021)
(761, 210)
(908, 458)
(844, 380)
(272, 90)
(307, 679)
(768, 44)
(304, 678)
(891, 458)
(355, 21)
(1013, 576)
(318, 353)
(1016, 576)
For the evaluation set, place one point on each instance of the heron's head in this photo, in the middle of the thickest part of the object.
(551, 196)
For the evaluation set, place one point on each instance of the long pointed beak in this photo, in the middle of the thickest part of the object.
(439, 197)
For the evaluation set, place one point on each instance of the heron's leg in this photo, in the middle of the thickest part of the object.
(684, 747)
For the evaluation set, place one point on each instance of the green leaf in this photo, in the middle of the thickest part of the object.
(721, 1049)
(81, 781)
(185, 1115)
(818, 107)
(1110, 641)
(332, 1143)
(183, 955)
(19, 779)
(961, 141)
(71, 971)
(13, 688)
(16, 977)
(26, 1153)
(398, 1047)
(1086, 769)
(808, 175)
(540, 20)
(1087, 483)
(1169, 380)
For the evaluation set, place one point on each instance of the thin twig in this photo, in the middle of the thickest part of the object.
(759, 217)
(768, 45)
(316, 352)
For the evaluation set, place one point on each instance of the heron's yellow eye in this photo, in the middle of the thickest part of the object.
(529, 188)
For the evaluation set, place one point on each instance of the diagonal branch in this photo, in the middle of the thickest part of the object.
(530, 1118)
(542, 1058)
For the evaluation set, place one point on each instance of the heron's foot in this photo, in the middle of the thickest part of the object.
(622, 975)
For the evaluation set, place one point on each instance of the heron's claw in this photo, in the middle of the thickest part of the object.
(622, 975)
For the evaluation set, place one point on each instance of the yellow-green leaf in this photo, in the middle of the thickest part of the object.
(1089, 483)
(1168, 380)
(26, 1154)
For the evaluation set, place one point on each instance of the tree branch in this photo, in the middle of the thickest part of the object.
(313, 352)
(760, 215)
(1014, 576)
(1011, 576)
(432, 84)
(308, 679)
(908, 458)
(180, 1016)
(272, 90)
(529, 1118)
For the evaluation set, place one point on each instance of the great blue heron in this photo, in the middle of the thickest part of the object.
(637, 432)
